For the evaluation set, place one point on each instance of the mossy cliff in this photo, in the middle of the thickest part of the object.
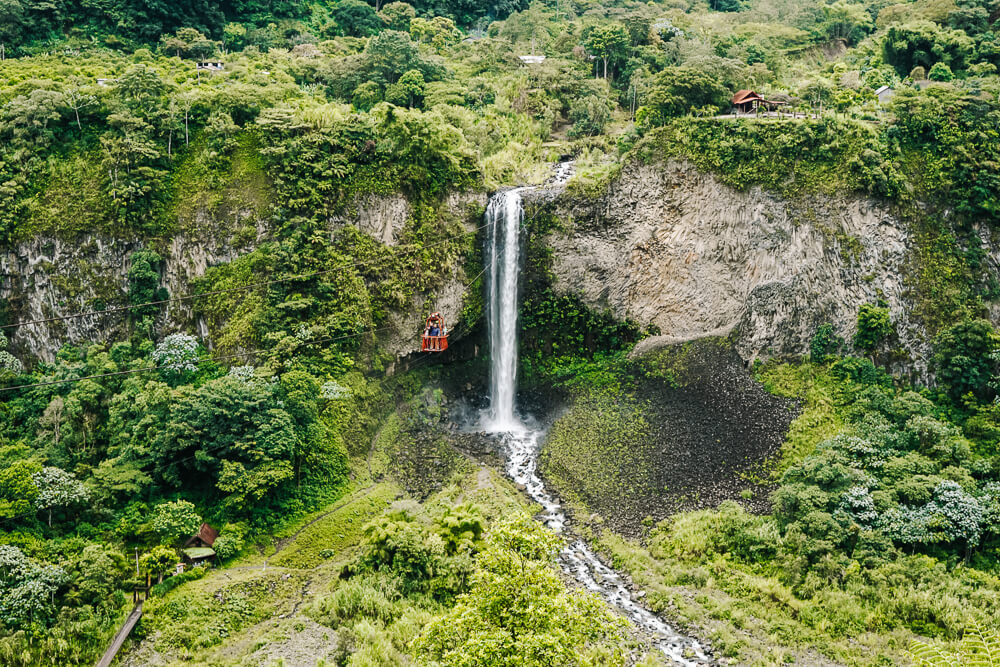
(669, 245)
(226, 225)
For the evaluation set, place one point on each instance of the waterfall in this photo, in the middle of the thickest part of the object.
(504, 215)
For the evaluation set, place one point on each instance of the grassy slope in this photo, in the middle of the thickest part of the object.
(259, 608)
(744, 609)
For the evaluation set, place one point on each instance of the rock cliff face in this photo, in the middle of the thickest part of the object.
(673, 247)
(50, 277)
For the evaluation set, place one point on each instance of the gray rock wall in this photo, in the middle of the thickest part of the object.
(49, 277)
(670, 246)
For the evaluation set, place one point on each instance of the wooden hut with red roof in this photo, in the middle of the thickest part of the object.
(746, 101)
(198, 548)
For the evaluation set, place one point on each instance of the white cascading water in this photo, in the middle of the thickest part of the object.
(521, 443)
(504, 215)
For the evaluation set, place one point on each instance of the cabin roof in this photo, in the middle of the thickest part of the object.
(742, 96)
(206, 534)
(194, 553)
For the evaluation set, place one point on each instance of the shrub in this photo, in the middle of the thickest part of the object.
(824, 343)
(964, 357)
(874, 326)
(589, 116)
(940, 72)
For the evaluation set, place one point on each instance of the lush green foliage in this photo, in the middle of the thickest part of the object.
(108, 128)
(518, 612)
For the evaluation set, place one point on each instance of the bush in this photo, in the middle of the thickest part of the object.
(874, 326)
(940, 72)
(964, 357)
(824, 343)
(589, 116)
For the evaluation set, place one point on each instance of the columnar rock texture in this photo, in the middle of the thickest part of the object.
(44, 278)
(673, 247)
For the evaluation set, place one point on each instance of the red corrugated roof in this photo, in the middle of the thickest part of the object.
(206, 534)
(742, 96)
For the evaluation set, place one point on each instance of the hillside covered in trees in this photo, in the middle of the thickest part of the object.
(223, 225)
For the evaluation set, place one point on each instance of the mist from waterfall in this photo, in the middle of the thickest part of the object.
(504, 215)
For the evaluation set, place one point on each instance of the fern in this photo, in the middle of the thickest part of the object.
(978, 649)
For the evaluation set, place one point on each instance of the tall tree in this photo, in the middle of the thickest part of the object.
(608, 43)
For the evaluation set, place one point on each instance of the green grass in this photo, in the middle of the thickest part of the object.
(821, 416)
(748, 614)
(338, 530)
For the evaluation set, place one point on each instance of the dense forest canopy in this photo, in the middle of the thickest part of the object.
(113, 126)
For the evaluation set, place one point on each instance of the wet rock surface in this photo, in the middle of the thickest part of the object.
(704, 435)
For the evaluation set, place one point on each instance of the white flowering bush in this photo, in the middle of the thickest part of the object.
(333, 390)
(857, 506)
(951, 516)
(8, 362)
(177, 353)
(58, 489)
(244, 373)
(27, 589)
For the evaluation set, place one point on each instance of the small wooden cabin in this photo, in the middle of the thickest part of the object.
(746, 101)
(198, 549)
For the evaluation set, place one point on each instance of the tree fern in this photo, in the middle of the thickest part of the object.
(978, 649)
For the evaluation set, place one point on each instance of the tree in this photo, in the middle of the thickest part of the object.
(678, 90)
(27, 590)
(397, 16)
(924, 43)
(366, 96)
(439, 32)
(940, 72)
(9, 364)
(846, 21)
(96, 574)
(234, 36)
(389, 55)
(78, 97)
(177, 354)
(518, 612)
(175, 520)
(356, 18)
(964, 358)
(609, 43)
(589, 116)
(139, 85)
(58, 489)
(726, 5)
(17, 489)
(874, 326)
(408, 91)
(27, 118)
(158, 562)
(144, 284)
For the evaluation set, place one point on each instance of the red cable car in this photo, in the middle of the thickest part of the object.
(435, 337)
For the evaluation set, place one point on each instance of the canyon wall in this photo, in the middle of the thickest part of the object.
(669, 246)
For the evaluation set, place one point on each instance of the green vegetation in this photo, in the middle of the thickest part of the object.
(325, 184)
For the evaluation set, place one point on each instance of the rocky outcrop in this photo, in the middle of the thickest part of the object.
(673, 247)
(45, 278)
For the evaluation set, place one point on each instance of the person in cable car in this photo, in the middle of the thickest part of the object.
(435, 338)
